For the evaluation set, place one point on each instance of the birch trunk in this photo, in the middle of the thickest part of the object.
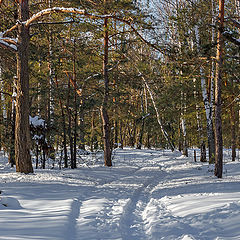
(165, 134)
(199, 124)
(140, 137)
(208, 104)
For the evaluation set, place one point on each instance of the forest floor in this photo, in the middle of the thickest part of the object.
(147, 194)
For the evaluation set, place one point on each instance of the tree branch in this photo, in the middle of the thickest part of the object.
(230, 38)
(48, 11)
(235, 23)
(9, 45)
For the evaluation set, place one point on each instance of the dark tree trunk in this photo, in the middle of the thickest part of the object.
(218, 100)
(81, 127)
(233, 130)
(121, 134)
(75, 110)
(104, 113)
(203, 152)
(211, 142)
(70, 125)
(22, 134)
(92, 133)
(70, 137)
(64, 130)
(37, 155)
(64, 140)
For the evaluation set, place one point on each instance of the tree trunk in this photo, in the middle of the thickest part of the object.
(104, 113)
(51, 74)
(199, 124)
(13, 123)
(75, 109)
(70, 126)
(64, 129)
(140, 139)
(70, 138)
(185, 147)
(22, 134)
(64, 138)
(233, 129)
(81, 127)
(218, 100)
(208, 104)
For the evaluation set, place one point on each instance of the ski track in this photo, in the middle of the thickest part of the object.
(129, 224)
(70, 232)
(127, 221)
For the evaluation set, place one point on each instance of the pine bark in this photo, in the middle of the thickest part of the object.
(218, 100)
(22, 134)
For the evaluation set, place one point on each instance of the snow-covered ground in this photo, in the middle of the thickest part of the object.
(147, 194)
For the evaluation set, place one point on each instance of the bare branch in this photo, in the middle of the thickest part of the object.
(128, 21)
(232, 39)
(235, 23)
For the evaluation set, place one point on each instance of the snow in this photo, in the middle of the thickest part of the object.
(36, 121)
(3, 42)
(6, 41)
(147, 194)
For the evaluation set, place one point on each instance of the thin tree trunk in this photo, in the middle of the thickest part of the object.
(70, 126)
(140, 139)
(64, 130)
(218, 100)
(233, 130)
(92, 132)
(208, 104)
(185, 147)
(75, 109)
(64, 138)
(51, 73)
(104, 113)
(13, 118)
(22, 134)
(37, 154)
(121, 134)
(199, 124)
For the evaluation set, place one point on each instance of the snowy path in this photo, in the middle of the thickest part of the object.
(147, 195)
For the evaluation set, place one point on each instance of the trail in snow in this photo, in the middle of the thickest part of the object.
(71, 225)
(147, 195)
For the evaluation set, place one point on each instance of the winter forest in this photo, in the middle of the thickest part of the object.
(119, 119)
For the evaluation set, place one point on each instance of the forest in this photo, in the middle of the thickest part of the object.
(96, 75)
